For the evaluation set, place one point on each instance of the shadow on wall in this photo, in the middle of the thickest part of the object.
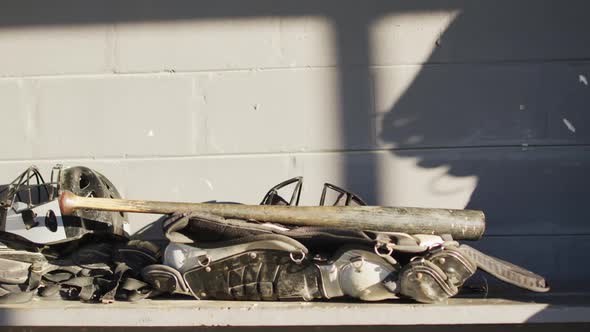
(512, 110)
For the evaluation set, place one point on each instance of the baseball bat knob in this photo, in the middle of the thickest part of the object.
(67, 203)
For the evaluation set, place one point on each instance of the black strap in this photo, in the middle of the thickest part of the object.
(120, 270)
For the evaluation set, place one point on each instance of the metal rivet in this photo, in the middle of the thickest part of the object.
(419, 275)
(442, 260)
(208, 269)
(357, 262)
(203, 294)
(252, 255)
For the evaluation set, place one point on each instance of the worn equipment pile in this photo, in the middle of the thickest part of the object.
(67, 239)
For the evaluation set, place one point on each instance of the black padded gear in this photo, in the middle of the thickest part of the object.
(453, 263)
(255, 275)
(425, 282)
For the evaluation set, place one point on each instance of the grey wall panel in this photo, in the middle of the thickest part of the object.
(187, 35)
(482, 105)
(16, 139)
(96, 116)
(278, 111)
(399, 32)
(296, 110)
(492, 31)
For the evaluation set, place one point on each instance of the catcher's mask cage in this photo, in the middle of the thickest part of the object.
(331, 195)
(29, 207)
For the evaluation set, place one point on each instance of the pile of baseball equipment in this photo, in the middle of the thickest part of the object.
(68, 238)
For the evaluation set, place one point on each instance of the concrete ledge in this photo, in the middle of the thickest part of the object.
(564, 308)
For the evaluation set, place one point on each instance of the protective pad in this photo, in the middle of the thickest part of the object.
(13, 272)
(425, 282)
(164, 279)
(255, 275)
(457, 267)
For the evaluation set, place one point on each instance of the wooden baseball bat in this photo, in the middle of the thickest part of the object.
(460, 224)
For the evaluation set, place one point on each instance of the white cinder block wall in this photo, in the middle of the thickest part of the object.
(477, 104)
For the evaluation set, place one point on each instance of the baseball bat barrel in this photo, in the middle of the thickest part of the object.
(460, 224)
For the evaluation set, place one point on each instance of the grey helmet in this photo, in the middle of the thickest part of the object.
(29, 206)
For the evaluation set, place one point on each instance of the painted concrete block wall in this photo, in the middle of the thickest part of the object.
(459, 104)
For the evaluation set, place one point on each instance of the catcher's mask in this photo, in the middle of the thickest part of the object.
(29, 208)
